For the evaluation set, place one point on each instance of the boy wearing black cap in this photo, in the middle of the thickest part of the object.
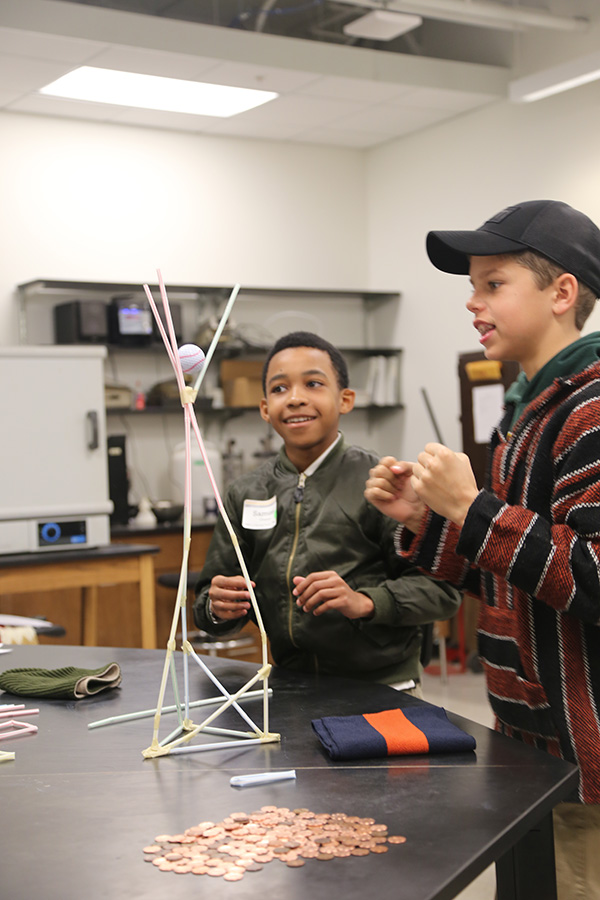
(528, 544)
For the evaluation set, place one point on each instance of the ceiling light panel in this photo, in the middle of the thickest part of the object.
(132, 89)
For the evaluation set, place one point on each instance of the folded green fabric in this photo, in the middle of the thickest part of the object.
(69, 683)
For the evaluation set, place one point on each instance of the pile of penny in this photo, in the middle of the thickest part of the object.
(243, 843)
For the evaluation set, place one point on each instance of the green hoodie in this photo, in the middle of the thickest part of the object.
(574, 358)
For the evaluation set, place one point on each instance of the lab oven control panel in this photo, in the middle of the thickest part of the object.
(39, 535)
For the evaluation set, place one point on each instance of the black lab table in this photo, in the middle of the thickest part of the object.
(78, 804)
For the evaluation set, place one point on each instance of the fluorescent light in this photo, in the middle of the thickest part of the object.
(382, 26)
(155, 92)
(555, 80)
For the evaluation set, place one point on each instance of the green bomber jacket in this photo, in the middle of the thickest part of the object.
(325, 524)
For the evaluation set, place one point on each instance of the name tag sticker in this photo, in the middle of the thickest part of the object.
(259, 515)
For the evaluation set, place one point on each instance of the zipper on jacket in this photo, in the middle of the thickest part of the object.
(299, 492)
(298, 498)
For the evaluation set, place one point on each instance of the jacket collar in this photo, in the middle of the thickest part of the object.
(329, 460)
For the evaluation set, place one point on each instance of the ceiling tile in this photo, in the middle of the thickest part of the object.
(266, 78)
(437, 98)
(303, 112)
(153, 62)
(20, 74)
(46, 46)
(157, 118)
(342, 138)
(356, 89)
(57, 106)
(391, 120)
(276, 130)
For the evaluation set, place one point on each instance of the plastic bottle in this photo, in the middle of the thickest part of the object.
(202, 492)
(145, 517)
(140, 399)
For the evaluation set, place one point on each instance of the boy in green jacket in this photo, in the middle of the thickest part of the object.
(334, 595)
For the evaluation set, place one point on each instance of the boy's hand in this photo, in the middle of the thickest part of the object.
(444, 480)
(228, 597)
(389, 488)
(322, 591)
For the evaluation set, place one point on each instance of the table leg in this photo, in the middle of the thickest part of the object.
(89, 615)
(528, 871)
(147, 603)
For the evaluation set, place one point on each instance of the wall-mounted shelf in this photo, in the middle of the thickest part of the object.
(363, 324)
(364, 329)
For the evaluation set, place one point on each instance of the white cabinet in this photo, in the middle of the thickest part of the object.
(53, 456)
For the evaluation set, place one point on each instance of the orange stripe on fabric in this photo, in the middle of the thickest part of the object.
(400, 735)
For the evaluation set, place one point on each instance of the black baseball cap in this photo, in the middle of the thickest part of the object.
(550, 227)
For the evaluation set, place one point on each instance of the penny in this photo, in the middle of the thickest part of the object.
(245, 842)
(182, 868)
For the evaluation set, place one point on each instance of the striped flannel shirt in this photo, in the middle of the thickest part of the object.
(529, 549)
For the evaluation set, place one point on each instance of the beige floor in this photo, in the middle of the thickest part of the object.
(464, 693)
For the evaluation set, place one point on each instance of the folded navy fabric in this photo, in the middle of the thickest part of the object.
(394, 732)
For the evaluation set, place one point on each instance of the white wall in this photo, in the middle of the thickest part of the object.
(455, 176)
(96, 202)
